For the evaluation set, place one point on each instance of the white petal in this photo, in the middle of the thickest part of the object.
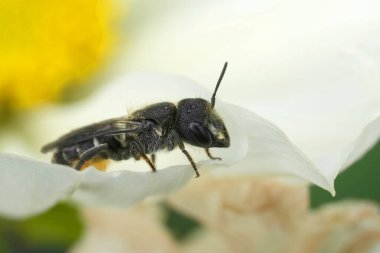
(311, 68)
(264, 149)
(29, 187)
(257, 147)
(125, 188)
(269, 149)
(367, 139)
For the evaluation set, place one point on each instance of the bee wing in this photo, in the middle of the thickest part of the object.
(104, 128)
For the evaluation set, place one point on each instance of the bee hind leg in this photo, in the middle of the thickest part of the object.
(141, 153)
(89, 154)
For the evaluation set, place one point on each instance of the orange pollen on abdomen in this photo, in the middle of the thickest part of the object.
(99, 164)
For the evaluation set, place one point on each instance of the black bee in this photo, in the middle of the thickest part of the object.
(161, 126)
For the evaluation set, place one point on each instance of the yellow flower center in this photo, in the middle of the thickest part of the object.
(47, 45)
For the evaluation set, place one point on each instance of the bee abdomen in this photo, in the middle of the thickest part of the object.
(66, 156)
(60, 159)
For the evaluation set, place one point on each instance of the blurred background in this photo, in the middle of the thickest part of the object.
(61, 227)
(60, 52)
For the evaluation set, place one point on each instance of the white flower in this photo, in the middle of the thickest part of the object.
(313, 72)
(312, 68)
(257, 146)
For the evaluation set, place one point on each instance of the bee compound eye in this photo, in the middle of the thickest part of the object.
(200, 135)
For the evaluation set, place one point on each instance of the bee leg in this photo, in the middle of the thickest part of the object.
(90, 153)
(143, 155)
(153, 159)
(151, 164)
(210, 156)
(182, 147)
(191, 160)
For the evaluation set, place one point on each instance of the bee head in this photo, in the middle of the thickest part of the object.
(199, 124)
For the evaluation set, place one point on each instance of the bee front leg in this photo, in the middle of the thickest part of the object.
(210, 156)
(182, 147)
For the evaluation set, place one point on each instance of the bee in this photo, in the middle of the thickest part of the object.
(160, 126)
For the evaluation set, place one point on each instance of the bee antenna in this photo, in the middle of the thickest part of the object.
(217, 84)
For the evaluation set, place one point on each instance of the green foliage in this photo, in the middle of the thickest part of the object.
(51, 232)
(359, 181)
(178, 224)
